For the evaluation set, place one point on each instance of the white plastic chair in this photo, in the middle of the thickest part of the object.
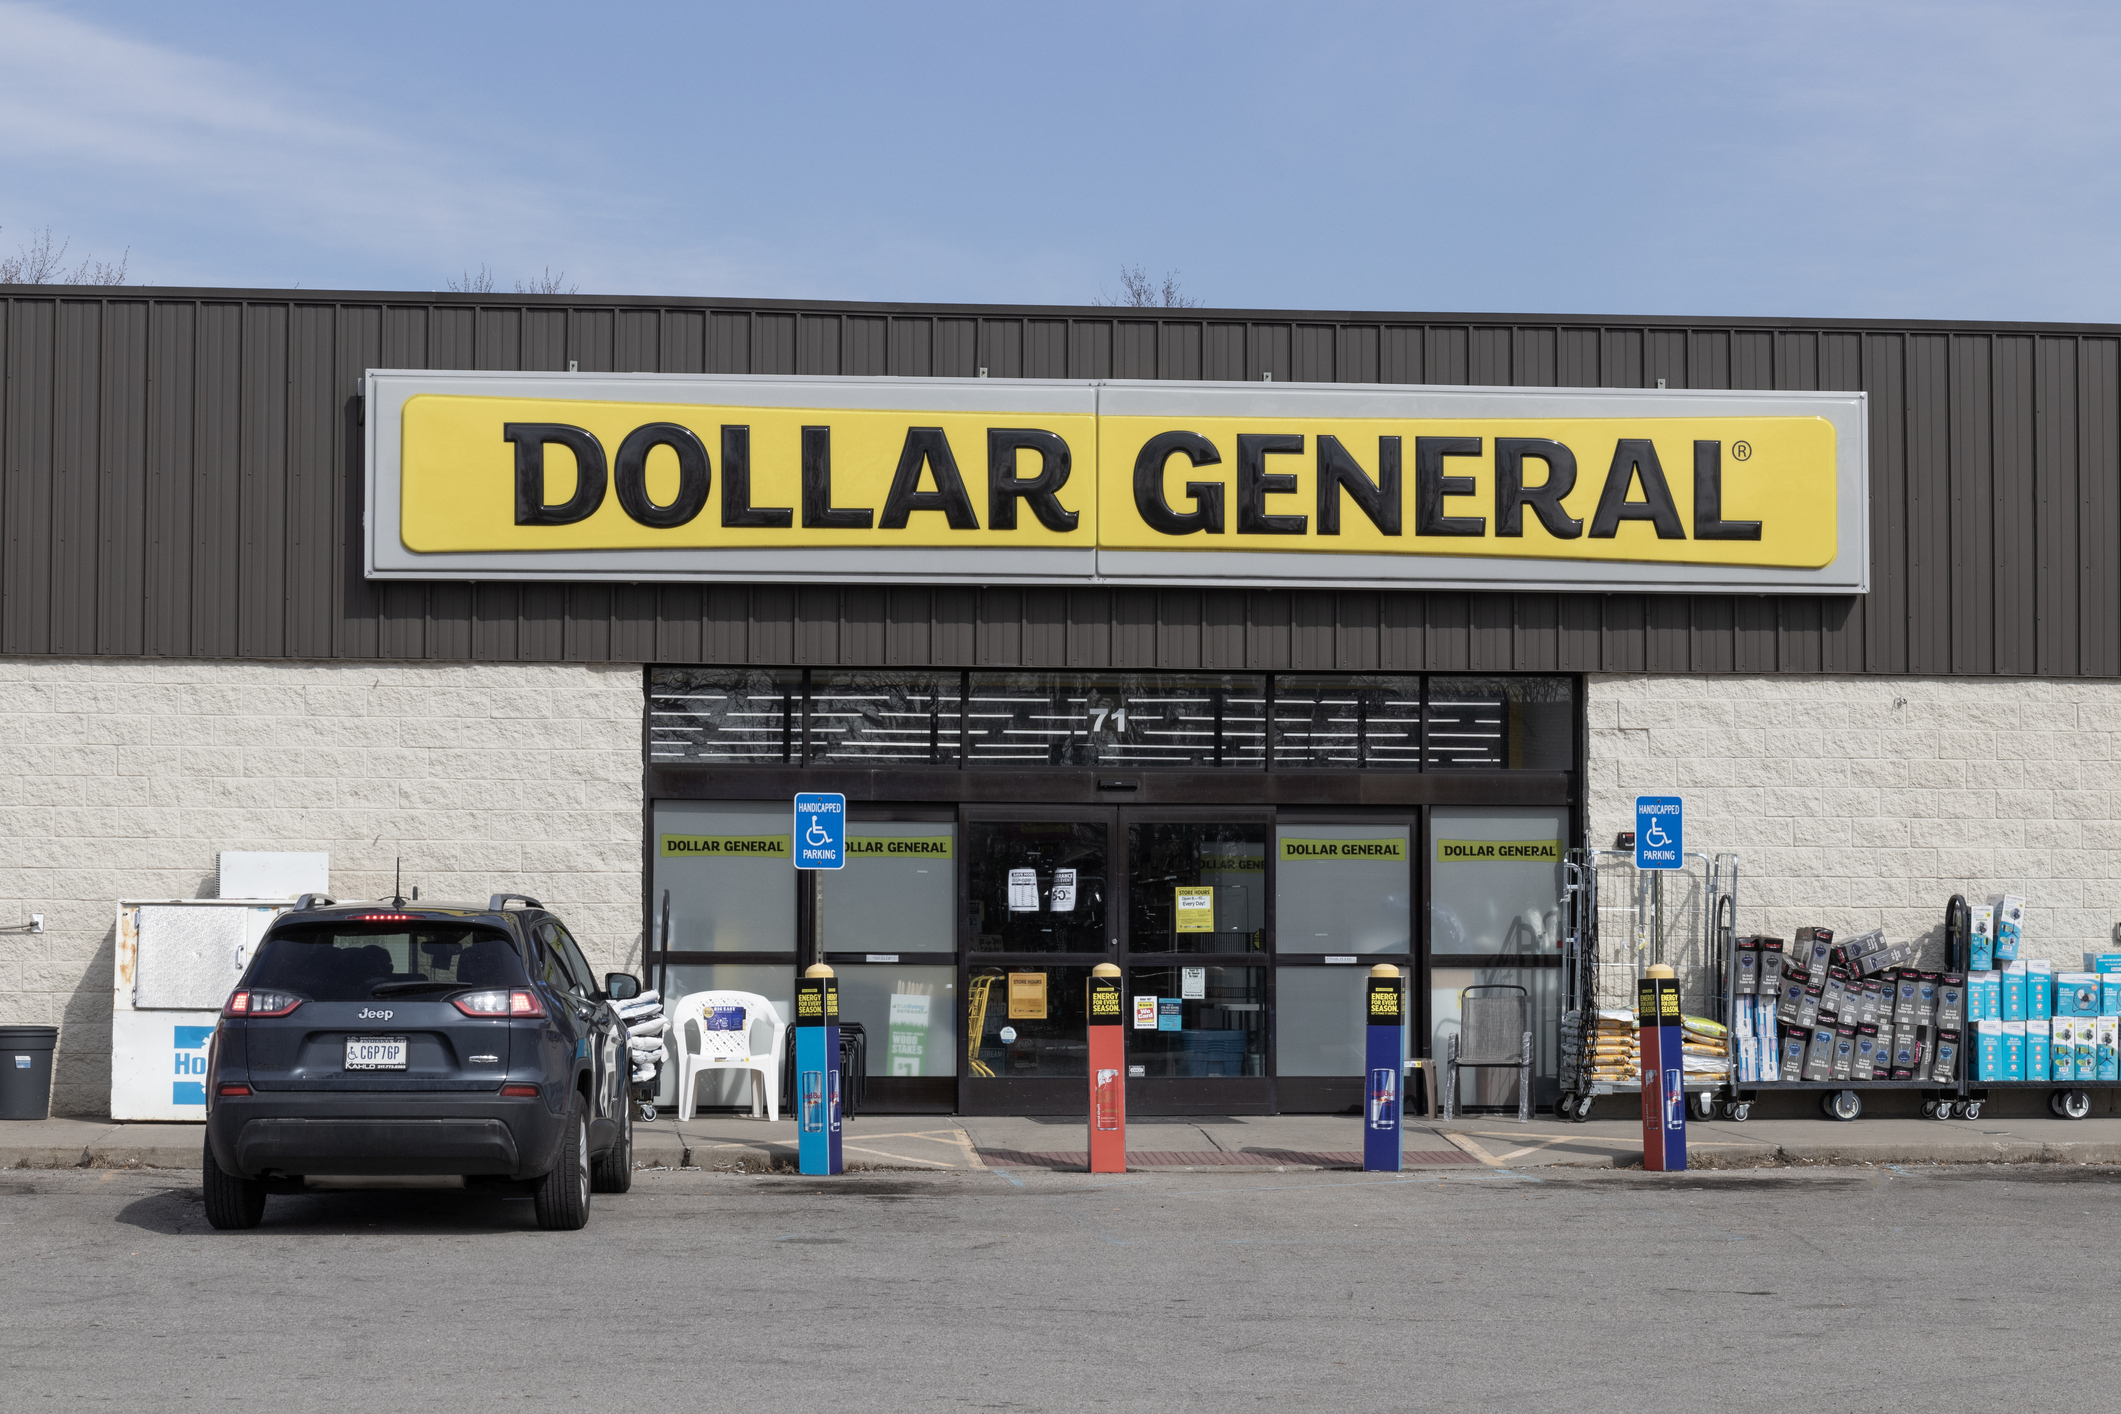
(728, 1048)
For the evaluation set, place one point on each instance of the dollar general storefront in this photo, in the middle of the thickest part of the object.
(1244, 650)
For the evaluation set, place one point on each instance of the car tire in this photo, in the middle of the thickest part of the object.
(612, 1171)
(562, 1196)
(232, 1203)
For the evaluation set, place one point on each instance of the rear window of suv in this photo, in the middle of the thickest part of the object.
(353, 962)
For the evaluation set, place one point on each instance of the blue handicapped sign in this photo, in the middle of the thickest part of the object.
(1660, 832)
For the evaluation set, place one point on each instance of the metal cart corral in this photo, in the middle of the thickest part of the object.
(1619, 920)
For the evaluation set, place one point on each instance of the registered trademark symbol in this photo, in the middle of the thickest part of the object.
(1741, 450)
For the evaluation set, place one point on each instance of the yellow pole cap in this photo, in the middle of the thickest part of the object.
(1104, 969)
(1384, 969)
(817, 969)
(1659, 969)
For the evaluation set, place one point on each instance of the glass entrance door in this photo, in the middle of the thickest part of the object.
(1195, 953)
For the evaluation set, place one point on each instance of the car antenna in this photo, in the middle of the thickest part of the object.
(397, 887)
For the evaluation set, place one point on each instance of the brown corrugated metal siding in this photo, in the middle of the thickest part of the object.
(183, 479)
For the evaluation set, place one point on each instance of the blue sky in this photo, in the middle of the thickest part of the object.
(1884, 160)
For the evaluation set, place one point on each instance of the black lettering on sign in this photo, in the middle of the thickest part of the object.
(818, 511)
(1005, 488)
(737, 509)
(1338, 472)
(1254, 484)
(1709, 523)
(1512, 495)
(927, 445)
(1207, 496)
(1636, 457)
(1431, 486)
(630, 475)
(531, 439)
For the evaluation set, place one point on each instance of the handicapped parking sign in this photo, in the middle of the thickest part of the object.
(820, 830)
(1660, 832)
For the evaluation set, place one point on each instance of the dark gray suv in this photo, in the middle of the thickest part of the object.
(381, 1038)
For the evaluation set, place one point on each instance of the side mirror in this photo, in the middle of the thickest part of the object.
(621, 986)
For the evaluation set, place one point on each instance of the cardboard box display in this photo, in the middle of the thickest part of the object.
(2014, 991)
(2109, 993)
(1872, 1003)
(1981, 944)
(2062, 1049)
(1907, 992)
(1844, 1051)
(2102, 962)
(1863, 1062)
(2077, 994)
(1990, 997)
(1944, 1067)
(2039, 989)
(1926, 998)
(1793, 1046)
(1815, 947)
(2106, 1047)
(1819, 1054)
(1746, 980)
(2010, 926)
(2087, 1048)
(1808, 1007)
(1988, 1049)
(1833, 996)
(1904, 1049)
(2039, 1056)
(1794, 982)
(1771, 960)
(2014, 1050)
(1951, 1000)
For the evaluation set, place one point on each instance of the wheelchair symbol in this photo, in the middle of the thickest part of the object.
(817, 836)
(1655, 837)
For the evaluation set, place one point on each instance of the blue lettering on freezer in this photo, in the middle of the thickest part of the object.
(189, 1045)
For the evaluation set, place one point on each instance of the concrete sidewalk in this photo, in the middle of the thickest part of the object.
(739, 1144)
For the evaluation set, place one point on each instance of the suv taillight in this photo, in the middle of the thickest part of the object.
(260, 1001)
(519, 1002)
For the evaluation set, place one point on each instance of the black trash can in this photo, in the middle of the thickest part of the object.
(26, 1071)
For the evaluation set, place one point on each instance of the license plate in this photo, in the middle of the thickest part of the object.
(375, 1053)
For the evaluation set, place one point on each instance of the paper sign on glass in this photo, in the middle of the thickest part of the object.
(1023, 891)
(1195, 911)
(1027, 996)
(1064, 891)
(1193, 983)
(1145, 1013)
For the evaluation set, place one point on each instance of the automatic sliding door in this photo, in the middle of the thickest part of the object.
(1037, 916)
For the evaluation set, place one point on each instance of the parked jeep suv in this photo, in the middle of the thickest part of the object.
(431, 1039)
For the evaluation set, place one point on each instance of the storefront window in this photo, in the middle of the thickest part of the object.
(1543, 993)
(1514, 723)
(1025, 1021)
(1343, 888)
(1118, 720)
(728, 871)
(1036, 885)
(908, 1016)
(897, 893)
(1196, 887)
(1207, 1020)
(893, 719)
(1347, 722)
(724, 715)
(1321, 1020)
(1495, 878)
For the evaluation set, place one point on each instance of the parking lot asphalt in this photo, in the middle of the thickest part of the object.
(1894, 1288)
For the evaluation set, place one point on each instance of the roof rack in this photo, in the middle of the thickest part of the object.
(500, 902)
(309, 901)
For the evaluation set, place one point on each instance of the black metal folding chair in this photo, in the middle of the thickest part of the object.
(1494, 1033)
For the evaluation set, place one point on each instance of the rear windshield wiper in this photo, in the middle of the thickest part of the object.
(399, 989)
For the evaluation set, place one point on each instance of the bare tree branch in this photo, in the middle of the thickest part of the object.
(42, 261)
(470, 284)
(546, 284)
(1138, 291)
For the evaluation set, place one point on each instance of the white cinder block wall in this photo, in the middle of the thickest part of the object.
(125, 778)
(1866, 802)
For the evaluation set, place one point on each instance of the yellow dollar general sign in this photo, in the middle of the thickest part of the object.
(610, 476)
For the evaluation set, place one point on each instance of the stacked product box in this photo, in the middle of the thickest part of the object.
(1815, 1012)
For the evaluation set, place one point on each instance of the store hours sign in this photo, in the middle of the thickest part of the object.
(643, 477)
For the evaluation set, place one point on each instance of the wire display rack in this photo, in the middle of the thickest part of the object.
(1618, 920)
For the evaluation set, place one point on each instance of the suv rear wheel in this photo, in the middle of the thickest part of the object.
(612, 1171)
(562, 1197)
(231, 1202)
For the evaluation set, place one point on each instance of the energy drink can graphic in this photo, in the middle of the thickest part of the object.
(1384, 1099)
(1674, 1100)
(813, 1102)
(1108, 1099)
(832, 1100)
